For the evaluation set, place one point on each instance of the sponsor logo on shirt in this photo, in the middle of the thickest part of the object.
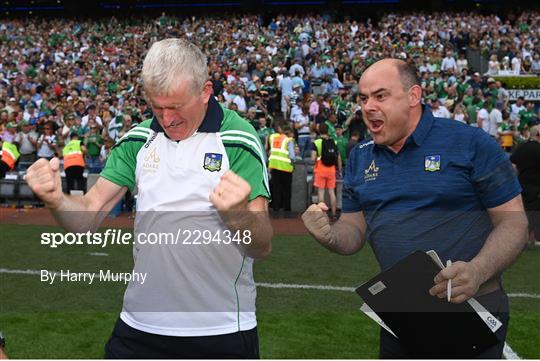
(372, 172)
(151, 161)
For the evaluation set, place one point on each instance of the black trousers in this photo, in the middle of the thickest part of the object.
(74, 175)
(531, 202)
(128, 343)
(4, 168)
(281, 190)
(495, 302)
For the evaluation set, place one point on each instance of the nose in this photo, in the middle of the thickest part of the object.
(369, 105)
(168, 116)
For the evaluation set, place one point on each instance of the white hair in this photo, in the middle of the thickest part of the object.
(170, 62)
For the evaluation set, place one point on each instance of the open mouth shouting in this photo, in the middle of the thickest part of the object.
(375, 124)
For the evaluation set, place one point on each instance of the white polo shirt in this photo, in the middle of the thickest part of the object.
(191, 288)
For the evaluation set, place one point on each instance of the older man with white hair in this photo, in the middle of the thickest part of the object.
(200, 172)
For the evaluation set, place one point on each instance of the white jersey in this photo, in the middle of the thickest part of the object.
(197, 283)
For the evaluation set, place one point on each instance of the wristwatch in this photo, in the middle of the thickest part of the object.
(2, 340)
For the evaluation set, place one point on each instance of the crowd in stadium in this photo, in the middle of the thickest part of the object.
(64, 77)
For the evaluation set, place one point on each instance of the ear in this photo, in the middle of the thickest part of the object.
(415, 95)
(208, 91)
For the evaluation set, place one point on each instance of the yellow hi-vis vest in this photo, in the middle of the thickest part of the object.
(279, 153)
(10, 154)
(73, 155)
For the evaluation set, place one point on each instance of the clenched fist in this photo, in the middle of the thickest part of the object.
(231, 193)
(318, 223)
(43, 177)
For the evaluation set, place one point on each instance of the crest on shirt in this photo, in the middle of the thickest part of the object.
(432, 163)
(212, 161)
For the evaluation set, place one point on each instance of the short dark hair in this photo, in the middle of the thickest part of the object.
(407, 74)
(323, 128)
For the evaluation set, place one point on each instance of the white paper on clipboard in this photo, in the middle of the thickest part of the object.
(373, 315)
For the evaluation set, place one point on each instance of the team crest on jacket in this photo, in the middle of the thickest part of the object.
(432, 163)
(212, 161)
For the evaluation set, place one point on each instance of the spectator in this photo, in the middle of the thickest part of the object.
(482, 118)
(301, 124)
(495, 120)
(47, 143)
(27, 140)
(439, 110)
(526, 157)
(93, 142)
(527, 116)
(449, 63)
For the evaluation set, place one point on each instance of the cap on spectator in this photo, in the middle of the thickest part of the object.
(491, 80)
(296, 85)
(268, 78)
(476, 74)
(12, 99)
(70, 116)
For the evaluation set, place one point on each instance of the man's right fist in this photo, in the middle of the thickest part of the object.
(43, 177)
(318, 223)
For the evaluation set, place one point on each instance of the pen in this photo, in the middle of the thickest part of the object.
(449, 284)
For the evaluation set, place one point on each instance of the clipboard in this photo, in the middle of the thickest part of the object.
(427, 325)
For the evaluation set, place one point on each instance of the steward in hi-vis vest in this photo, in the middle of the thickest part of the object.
(280, 163)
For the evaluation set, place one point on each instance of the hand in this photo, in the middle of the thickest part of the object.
(231, 193)
(318, 223)
(466, 280)
(43, 177)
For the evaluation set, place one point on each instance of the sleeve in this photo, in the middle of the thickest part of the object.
(122, 162)
(246, 158)
(290, 148)
(350, 201)
(492, 174)
(313, 147)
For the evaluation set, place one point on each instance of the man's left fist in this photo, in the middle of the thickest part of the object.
(231, 193)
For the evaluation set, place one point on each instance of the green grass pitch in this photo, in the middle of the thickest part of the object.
(75, 321)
